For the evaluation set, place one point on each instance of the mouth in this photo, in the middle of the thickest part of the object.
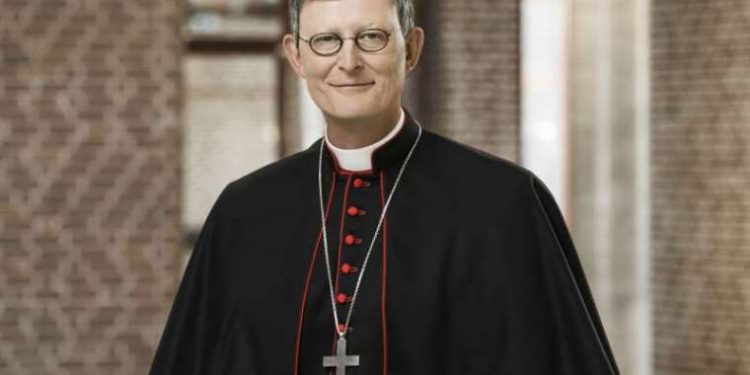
(353, 84)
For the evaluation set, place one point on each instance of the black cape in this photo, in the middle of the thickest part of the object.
(474, 272)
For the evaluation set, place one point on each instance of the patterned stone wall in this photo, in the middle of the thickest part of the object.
(89, 183)
(700, 181)
(470, 73)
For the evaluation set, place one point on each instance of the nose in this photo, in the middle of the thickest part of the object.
(349, 57)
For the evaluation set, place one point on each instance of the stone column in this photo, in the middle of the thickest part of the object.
(609, 167)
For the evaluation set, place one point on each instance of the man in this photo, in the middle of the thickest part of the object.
(382, 248)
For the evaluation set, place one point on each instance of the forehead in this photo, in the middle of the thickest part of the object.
(332, 15)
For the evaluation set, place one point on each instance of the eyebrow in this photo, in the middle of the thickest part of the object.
(368, 26)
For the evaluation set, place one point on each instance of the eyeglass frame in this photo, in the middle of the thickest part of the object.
(342, 39)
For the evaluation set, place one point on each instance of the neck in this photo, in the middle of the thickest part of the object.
(360, 132)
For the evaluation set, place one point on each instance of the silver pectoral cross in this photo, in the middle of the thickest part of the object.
(341, 361)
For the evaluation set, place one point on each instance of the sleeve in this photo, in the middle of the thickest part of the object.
(191, 332)
(585, 348)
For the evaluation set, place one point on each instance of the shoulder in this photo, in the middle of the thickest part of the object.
(479, 182)
(473, 167)
(280, 178)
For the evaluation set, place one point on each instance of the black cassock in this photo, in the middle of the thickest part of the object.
(474, 272)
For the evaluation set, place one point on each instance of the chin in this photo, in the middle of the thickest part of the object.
(351, 109)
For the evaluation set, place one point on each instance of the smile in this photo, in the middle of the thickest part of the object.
(353, 84)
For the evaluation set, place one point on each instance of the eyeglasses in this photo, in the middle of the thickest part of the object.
(329, 44)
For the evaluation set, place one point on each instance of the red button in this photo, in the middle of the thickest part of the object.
(342, 327)
(352, 210)
(358, 183)
(350, 239)
(341, 298)
(346, 268)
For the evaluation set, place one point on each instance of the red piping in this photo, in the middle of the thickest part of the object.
(341, 231)
(384, 272)
(309, 277)
(338, 262)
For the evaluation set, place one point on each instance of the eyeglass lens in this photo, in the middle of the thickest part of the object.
(330, 43)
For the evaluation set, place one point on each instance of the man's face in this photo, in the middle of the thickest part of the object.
(352, 84)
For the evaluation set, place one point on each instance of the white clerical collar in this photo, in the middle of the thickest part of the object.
(360, 159)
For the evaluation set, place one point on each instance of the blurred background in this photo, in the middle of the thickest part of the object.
(120, 121)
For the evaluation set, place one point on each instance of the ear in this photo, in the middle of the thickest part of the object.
(414, 45)
(293, 55)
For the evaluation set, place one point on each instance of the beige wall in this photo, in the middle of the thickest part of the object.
(469, 82)
(701, 178)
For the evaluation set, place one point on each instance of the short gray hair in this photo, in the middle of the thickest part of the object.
(405, 15)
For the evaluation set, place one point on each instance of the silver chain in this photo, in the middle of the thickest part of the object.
(372, 243)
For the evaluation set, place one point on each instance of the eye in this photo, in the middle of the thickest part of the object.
(371, 35)
(326, 38)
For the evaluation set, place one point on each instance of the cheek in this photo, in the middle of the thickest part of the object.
(393, 78)
(314, 68)
(315, 76)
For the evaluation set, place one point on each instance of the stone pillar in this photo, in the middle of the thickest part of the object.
(609, 167)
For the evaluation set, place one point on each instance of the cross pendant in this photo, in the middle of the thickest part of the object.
(341, 361)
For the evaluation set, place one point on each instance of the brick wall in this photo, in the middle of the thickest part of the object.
(89, 183)
(700, 179)
(469, 78)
